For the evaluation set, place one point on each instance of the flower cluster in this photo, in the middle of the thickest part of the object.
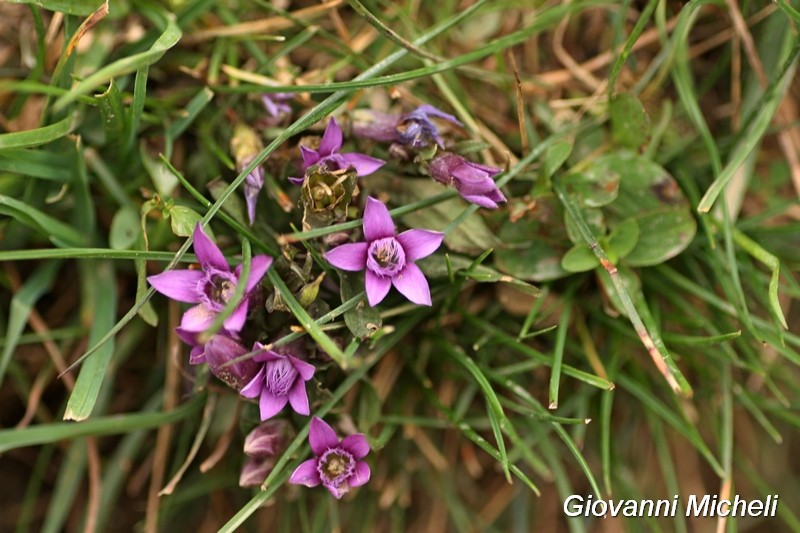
(226, 326)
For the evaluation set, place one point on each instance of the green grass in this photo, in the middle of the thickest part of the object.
(656, 360)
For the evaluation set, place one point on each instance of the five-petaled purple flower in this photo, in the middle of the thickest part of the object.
(473, 181)
(211, 287)
(337, 465)
(281, 380)
(387, 257)
(328, 154)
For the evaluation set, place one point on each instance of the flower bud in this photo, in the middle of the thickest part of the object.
(473, 181)
(221, 350)
(267, 439)
(255, 471)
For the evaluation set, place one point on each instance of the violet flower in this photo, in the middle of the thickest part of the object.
(281, 380)
(473, 181)
(418, 130)
(277, 109)
(328, 154)
(387, 257)
(211, 287)
(337, 465)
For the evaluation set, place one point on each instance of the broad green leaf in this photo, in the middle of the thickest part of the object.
(183, 220)
(87, 386)
(623, 238)
(650, 195)
(594, 186)
(579, 258)
(630, 124)
(362, 320)
(533, 245)
(664, 233)
(555, 156)
(124, 229)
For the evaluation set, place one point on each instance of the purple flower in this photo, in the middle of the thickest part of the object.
(328, 154)
(211, 287)
(418, 130)
(472, 181)
(281, 380)
(276, 108)
(370, 124)
(337, 464)
(387, 257)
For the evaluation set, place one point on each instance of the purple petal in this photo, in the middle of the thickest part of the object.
(306, 474)
(298, 398)
(189, 337)
(297, 181)
(258, 267)
(351, 257)
(377, 221)
(360, 474)
(331, 139)
(363, 164)
(181, 285)
(253, 389)
(270, 405)
(482, 201)
(235, 322)
(252, 186)
(339, 491)
(357, 445)
(310, 157)
(412, 284)
(197, 355)
(432, 111)
(321, 436)
(419, 243)
(377, 287)
(197, 319)
(207, 252)
(266, 355)
(306, 370)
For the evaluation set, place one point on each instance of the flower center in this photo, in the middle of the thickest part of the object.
(335, 466)
(281, 375)
(218, 288)
(386, 256)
